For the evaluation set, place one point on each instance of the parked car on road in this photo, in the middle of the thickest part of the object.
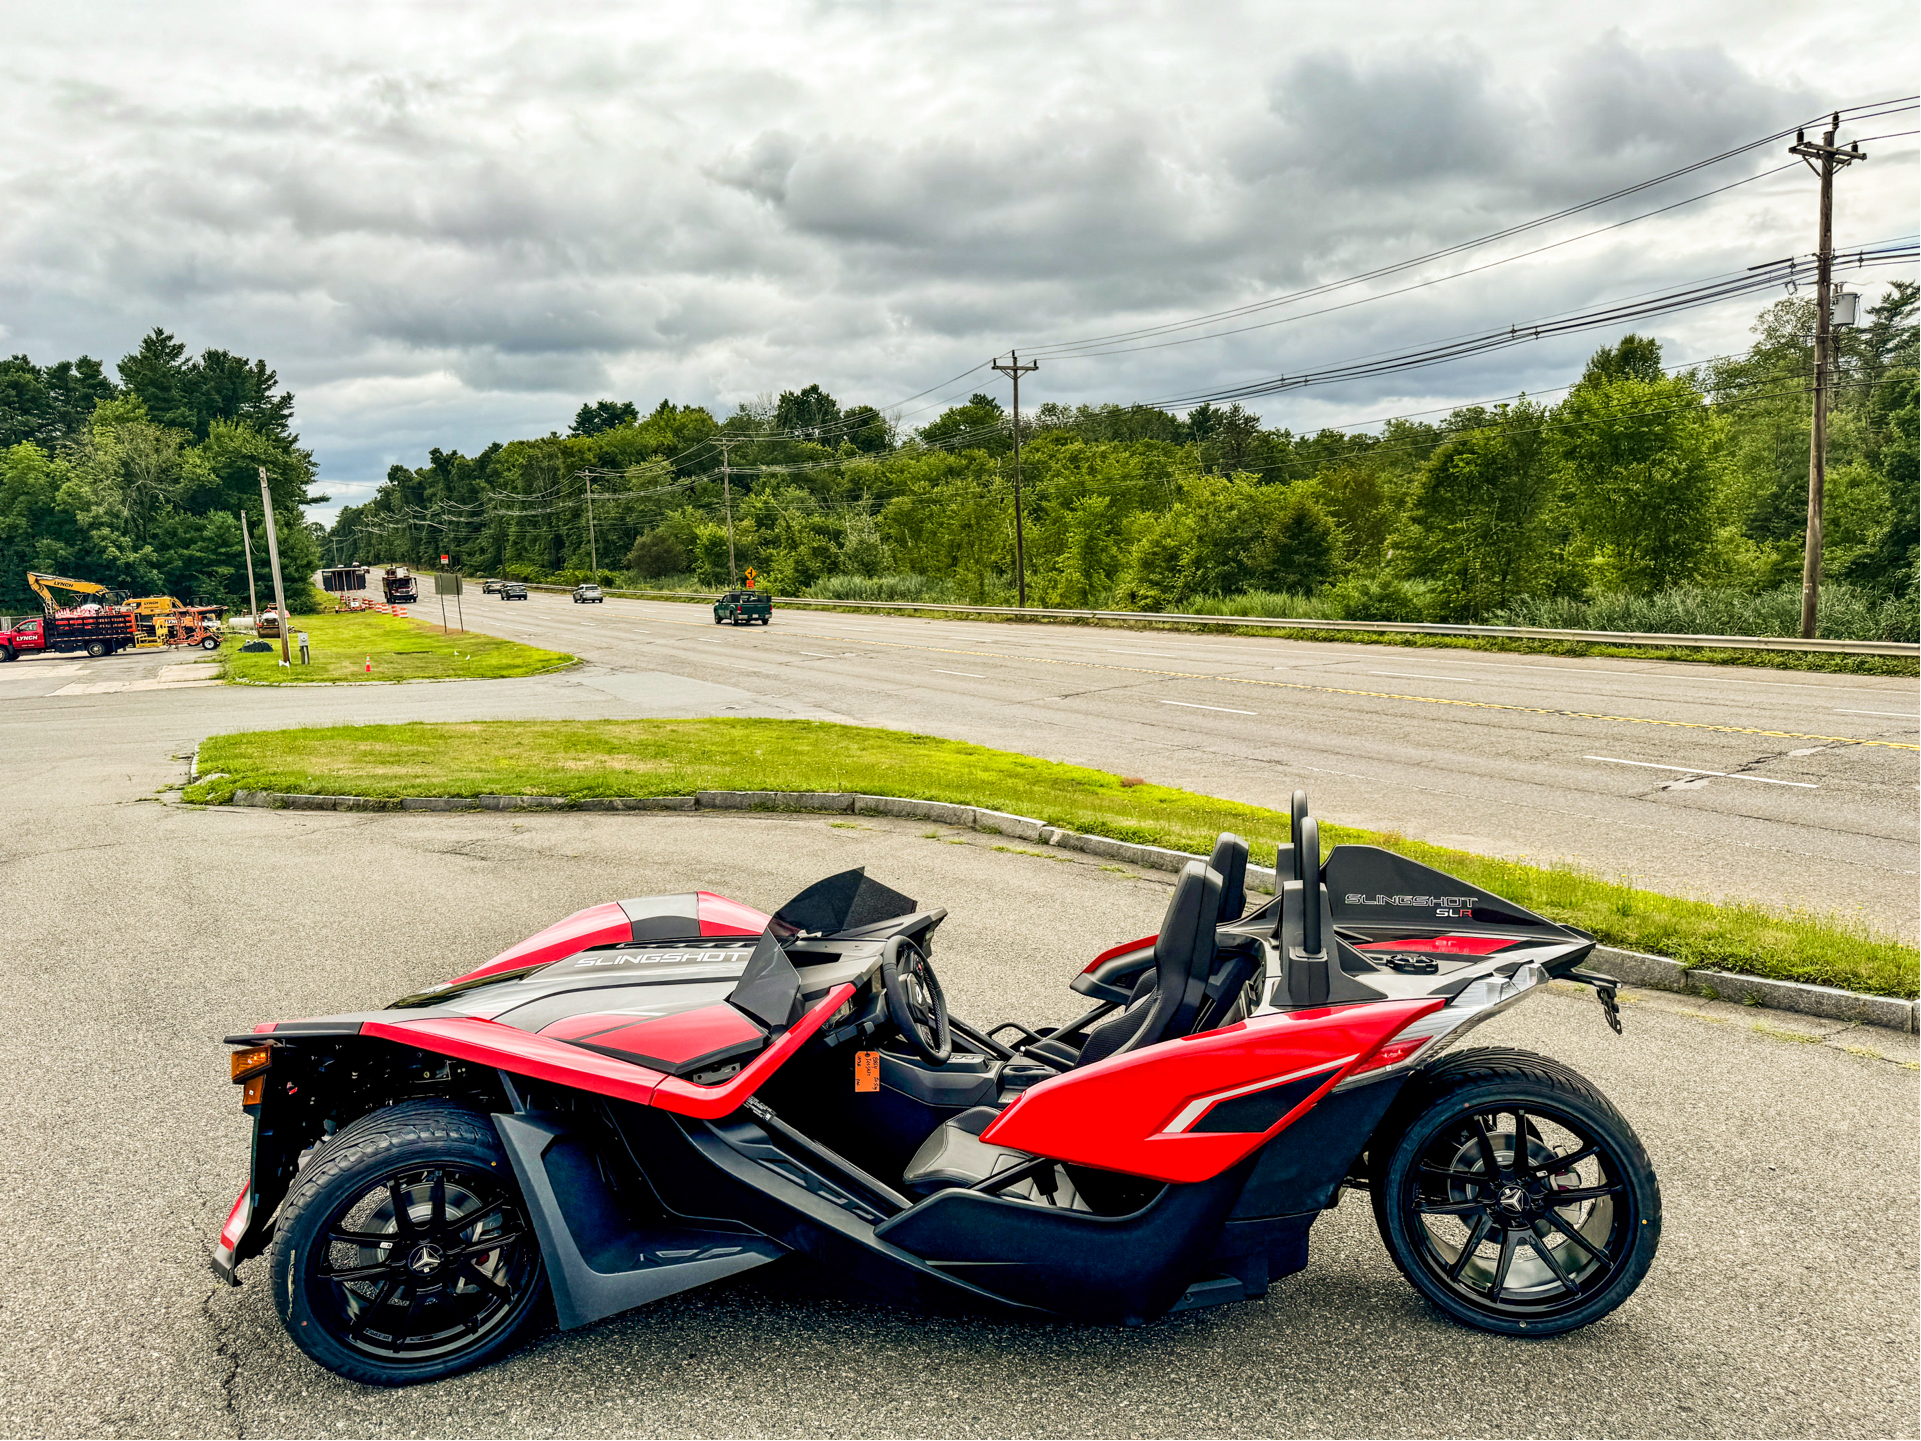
(744, 607)
(491, 587)
(588, 595)
(512, 590)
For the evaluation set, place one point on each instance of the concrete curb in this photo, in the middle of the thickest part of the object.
(1635, 968)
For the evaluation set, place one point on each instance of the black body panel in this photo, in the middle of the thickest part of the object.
(1128, 1269)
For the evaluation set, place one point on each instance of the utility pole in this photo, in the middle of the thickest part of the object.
(246, 545)
(273, 557)
(1017, 370)
(1823, 159)
(727, 494)
(592, 550)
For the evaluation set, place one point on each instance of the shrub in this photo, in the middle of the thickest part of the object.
(875, 587)
(1846, 613)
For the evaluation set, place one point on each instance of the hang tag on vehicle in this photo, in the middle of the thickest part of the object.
(867, 1070)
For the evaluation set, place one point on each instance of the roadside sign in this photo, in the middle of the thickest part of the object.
(443, 560)
(752, 576)
(446, 582)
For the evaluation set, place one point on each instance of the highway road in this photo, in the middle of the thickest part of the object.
(139, 931)
(1782, 787)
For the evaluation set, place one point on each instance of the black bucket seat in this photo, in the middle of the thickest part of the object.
(954, 1155)
(1229, 861)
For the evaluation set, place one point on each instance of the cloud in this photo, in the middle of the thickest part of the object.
(447, 226)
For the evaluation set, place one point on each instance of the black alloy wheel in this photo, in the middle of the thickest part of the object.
(1517, 1199)
(404, 1253)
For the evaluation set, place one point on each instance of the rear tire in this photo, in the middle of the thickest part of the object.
(96, 648)
(1512, 1195)
(439, 1270)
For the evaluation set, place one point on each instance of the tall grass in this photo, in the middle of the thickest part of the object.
(1846, 613)
(877, 587)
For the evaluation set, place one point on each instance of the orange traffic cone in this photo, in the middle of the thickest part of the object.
(370, 665)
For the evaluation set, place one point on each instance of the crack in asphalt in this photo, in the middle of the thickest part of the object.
(227, 1355)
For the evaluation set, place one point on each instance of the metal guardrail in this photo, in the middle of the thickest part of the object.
(1904, 650)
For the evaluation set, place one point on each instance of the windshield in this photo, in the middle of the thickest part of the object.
(840, 903)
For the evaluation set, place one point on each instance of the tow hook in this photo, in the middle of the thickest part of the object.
(1607, 989)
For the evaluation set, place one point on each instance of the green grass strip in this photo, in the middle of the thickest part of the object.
(370, 646)
(582, 759)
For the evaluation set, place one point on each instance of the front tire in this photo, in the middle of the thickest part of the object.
(1512, 1194)
(403, 1252)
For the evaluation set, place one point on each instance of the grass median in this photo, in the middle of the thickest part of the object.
(370, 646)
(586, 759)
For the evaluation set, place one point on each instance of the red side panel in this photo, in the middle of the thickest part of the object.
(710, 1103)
(722, 917)
(1112, 951)
(669, 1042)
(489, 1043)
(602, 925)
(1138, 1113)
(1448, 945)
(237, 1219)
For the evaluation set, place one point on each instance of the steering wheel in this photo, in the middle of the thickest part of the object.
(914, 999)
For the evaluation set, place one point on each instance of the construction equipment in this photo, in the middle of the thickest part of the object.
(347, 584)
(45, 585)
(163, 621)
(398, 586)
(97, 626)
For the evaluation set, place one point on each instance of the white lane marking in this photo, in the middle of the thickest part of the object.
(1195, 705)
(824, 655)
(968, 673)
(1414, 675)
(1785, 684)
(1898, 715)
(1156, 654)
(1698, 771)
(1566, 669)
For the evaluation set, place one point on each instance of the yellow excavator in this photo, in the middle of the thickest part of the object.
(45, 585)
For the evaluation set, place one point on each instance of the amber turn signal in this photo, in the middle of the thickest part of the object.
(250, 1062)
(250, 1093)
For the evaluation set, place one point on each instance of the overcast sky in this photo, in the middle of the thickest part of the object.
(446, 224)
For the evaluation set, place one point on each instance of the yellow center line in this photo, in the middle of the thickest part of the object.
(1382, 694)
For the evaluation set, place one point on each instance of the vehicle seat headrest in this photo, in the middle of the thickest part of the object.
(1229, 862)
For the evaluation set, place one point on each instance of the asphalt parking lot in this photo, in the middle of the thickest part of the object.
(1782, 1303)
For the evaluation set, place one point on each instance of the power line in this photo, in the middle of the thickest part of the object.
(1903, 105)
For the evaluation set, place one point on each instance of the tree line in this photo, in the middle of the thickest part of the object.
(1640, 480)
(141, 483)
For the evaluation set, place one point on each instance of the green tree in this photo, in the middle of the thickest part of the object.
(1634, 357)
(981, 424)
(806, 412)
(1643, 462)
(604, 415)
(1477, 522)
